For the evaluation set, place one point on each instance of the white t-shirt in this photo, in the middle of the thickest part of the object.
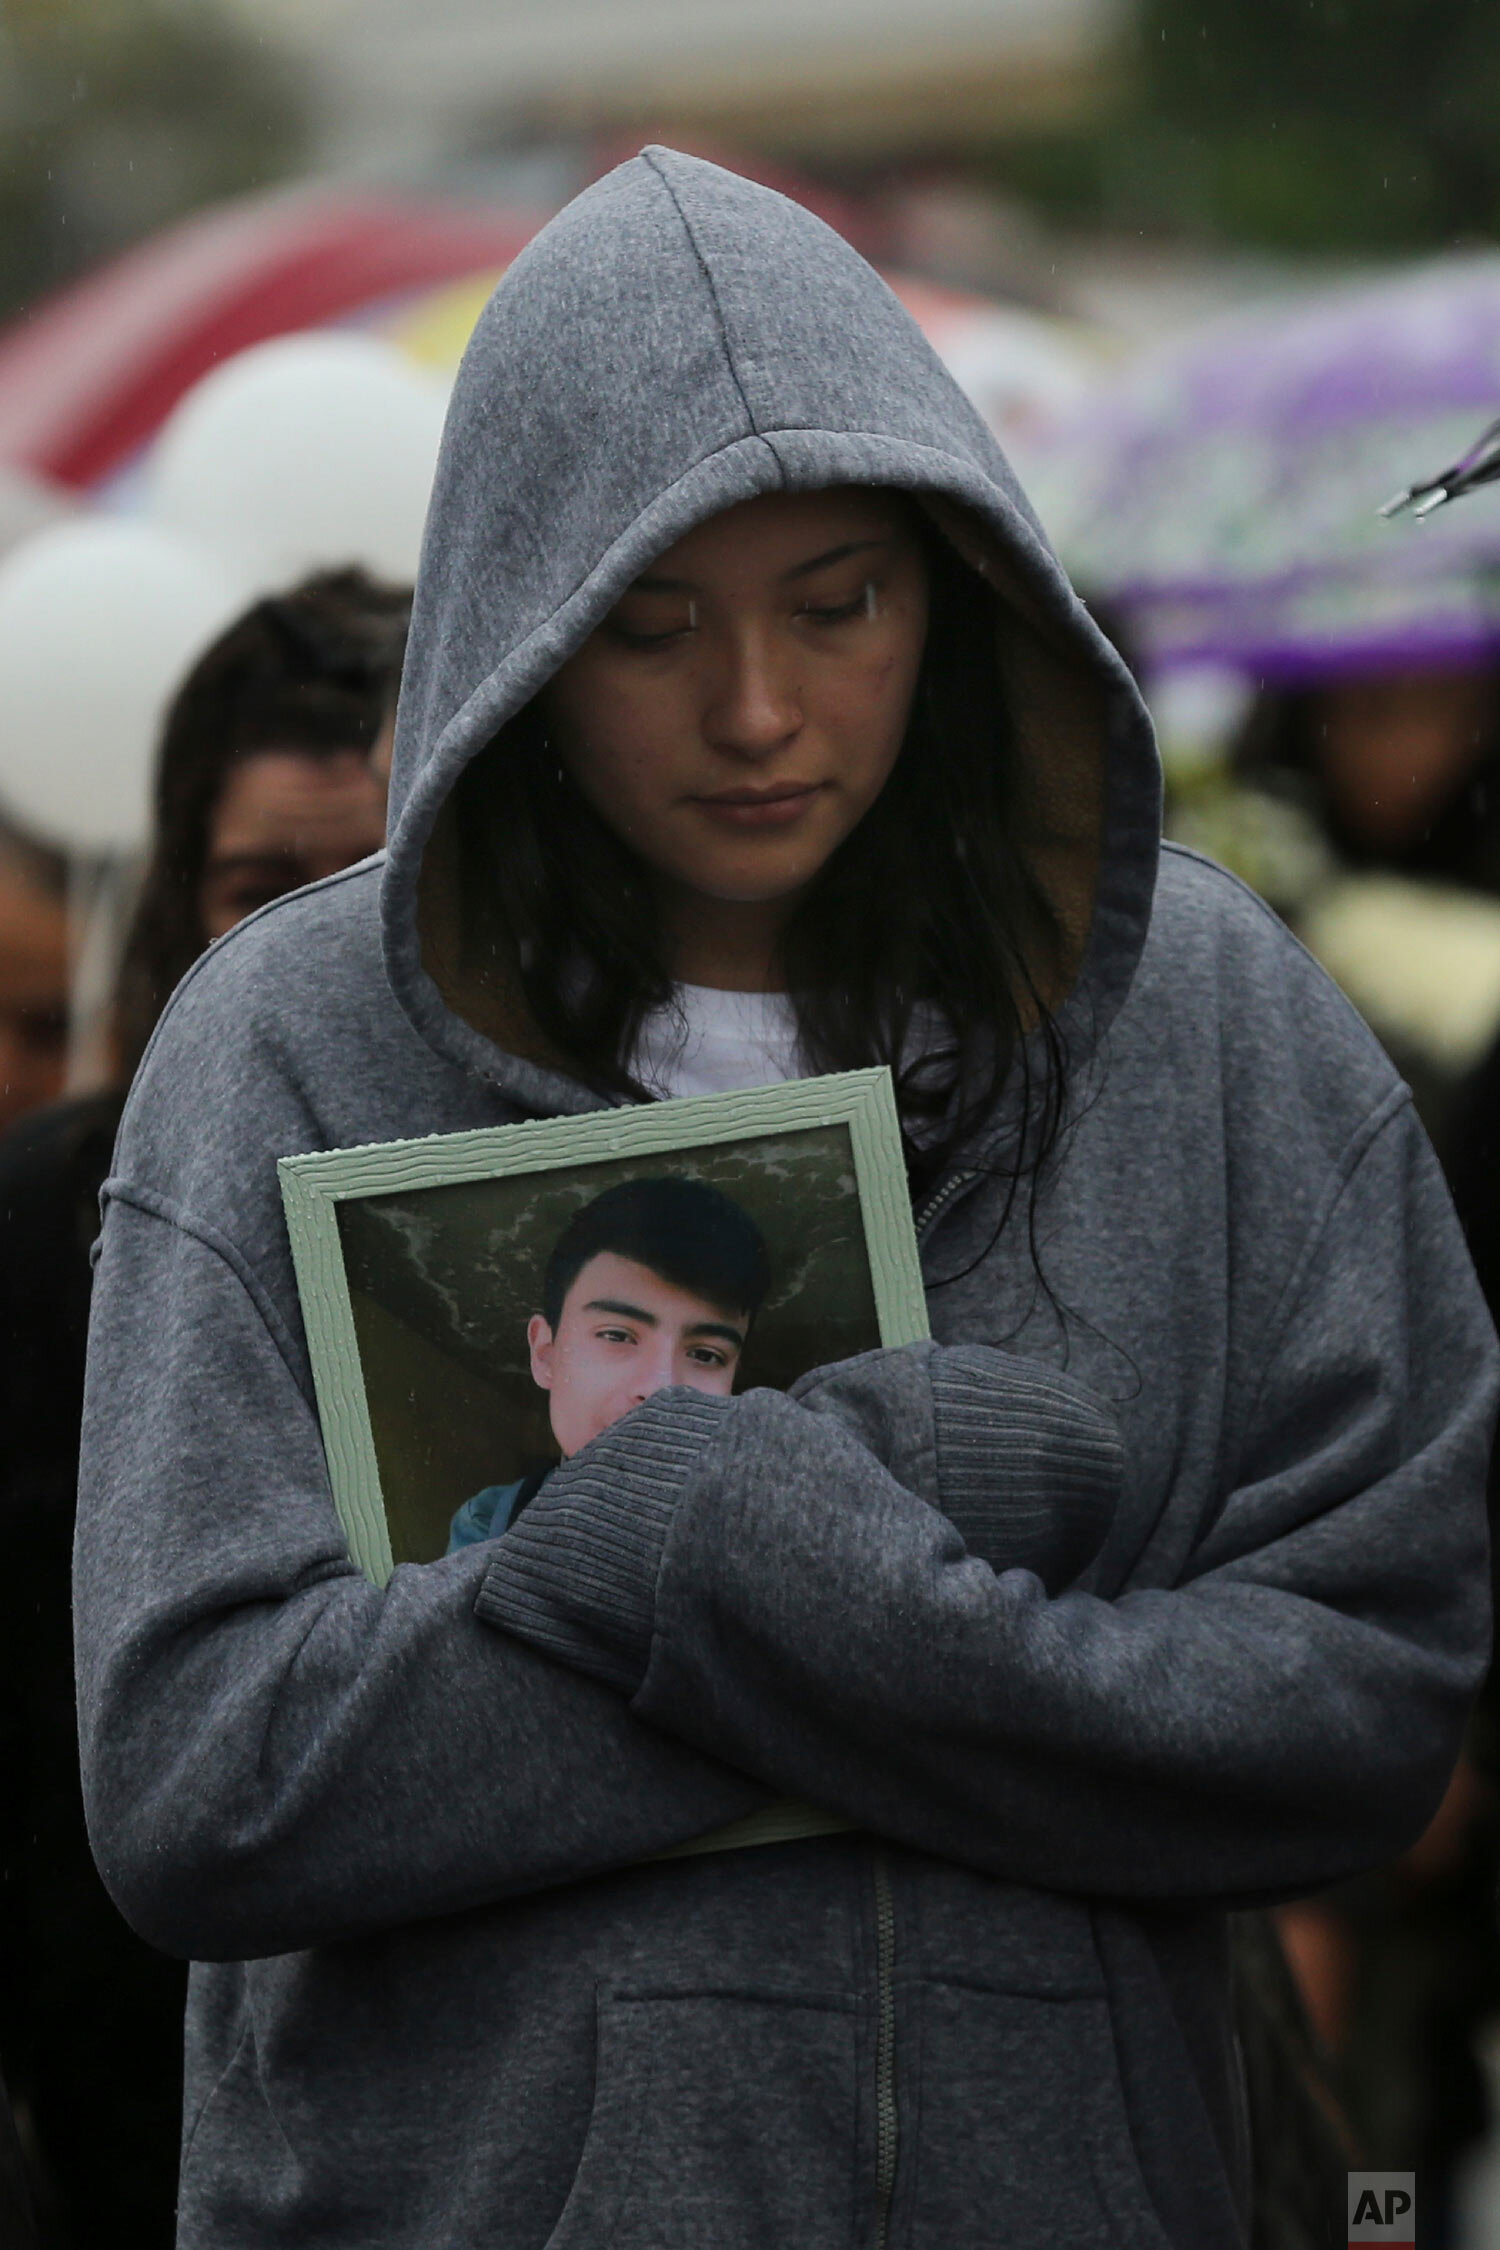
(717, 1043)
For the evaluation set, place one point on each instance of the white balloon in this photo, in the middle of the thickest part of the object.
(304, 452)
(100, 617)
(1022, 371)
(28, 504)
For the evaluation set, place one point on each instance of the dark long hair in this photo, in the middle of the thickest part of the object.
(312, 670)
(926, 943)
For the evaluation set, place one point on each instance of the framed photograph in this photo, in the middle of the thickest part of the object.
(478, 1305)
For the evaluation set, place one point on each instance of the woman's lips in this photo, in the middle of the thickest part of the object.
(761, 808)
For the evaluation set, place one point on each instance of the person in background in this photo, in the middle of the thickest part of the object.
(267, 779)
(33, 974)
(1400, 767)
(264, 783)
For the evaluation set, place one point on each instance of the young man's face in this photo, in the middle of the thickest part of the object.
(623, 1333)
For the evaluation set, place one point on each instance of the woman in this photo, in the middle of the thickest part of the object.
(746, 710)
(263, 783)
(269, 774)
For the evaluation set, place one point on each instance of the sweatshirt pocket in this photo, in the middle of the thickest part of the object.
(1021, 2133)
(720, 2118)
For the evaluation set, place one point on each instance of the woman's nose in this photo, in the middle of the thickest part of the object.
(756, 705)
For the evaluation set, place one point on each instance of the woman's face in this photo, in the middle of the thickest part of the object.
(740, 710)
(285, 818)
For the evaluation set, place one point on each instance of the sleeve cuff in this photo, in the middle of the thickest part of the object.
(576, 1577)
(1030, 1464)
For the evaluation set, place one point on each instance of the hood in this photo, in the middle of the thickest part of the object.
(675, 341)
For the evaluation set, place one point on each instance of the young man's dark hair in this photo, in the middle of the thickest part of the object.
(688, 1232)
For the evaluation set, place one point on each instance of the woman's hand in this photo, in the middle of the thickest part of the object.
(1024, 1462)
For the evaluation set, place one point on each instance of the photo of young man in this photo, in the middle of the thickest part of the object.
(653, 1283)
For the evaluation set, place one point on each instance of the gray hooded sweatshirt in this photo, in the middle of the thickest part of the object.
(449, 1990)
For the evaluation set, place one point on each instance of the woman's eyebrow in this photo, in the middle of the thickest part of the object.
(650, 583)
(834, 555)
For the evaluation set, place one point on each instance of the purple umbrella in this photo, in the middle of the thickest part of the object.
(1224, 493)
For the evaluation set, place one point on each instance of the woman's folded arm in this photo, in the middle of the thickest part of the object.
(275, 1752)
(762, 1587)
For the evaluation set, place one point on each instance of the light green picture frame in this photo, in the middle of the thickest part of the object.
(315, 1186)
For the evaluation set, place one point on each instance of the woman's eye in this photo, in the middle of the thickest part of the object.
(840, 613)
(665, 622)
(631, 637)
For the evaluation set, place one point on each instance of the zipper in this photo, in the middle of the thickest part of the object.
(936, 1204)
(885, 2050)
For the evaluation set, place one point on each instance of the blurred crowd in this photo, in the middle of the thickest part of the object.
(1352, 776)
(271, 774)
(1397, 774)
